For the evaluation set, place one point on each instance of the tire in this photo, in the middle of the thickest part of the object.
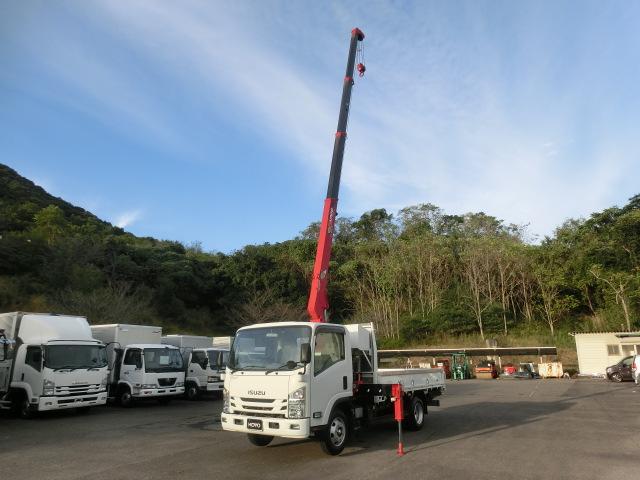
(192, 392)
(25, 410)
(259, 440)
(125, 398)
(616, 377)
(415, 415)
(336, 434)
(164, 400)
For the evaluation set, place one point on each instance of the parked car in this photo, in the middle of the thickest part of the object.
(621, 371)
(635, 369)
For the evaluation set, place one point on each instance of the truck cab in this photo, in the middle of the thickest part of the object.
(146, 371)
(204, 371)
(50, 362)
(299, 379)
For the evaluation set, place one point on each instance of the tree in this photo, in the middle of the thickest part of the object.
(477, 273)
(623, 285)
(50, 223)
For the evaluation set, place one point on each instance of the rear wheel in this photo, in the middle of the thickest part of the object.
(336, 434)
(192, 391)
(616, 377)
(415, 417)
(259, 440)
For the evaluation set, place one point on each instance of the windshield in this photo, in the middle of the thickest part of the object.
(214, 355)
(157, 360)
(266, 348)
(75, 356)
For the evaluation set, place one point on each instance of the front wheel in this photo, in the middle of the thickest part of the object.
(259, 440)
(415, 418)
(616, 377)
(192, 391)
(25, 410)
(125, 398)
(336, 434)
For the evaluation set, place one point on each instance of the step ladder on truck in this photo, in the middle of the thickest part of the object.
(317, 379)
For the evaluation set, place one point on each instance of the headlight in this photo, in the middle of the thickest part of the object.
(103, 384)
(213, 379)
(148, 385)
(225, 400)
(299, 394)
(48, 387)
(296, 403)
(179, 384)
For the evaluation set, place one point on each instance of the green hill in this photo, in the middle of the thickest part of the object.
(21, 199)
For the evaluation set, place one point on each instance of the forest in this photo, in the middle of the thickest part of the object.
(419, 274)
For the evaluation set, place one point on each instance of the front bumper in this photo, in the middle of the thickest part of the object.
(215, 386)
(157, 392)
(277, 427)
(58, 403)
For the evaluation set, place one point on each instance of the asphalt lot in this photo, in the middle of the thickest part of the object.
(582, 429)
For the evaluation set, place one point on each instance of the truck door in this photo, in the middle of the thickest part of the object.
(31, 370)
(198, 358)
(331, 373)
(131, 370)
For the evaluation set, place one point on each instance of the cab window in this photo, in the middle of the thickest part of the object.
(198, 357)
(33, 358)
(133, 357)
(329, 350)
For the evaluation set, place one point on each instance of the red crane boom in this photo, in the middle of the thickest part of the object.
(318, 306)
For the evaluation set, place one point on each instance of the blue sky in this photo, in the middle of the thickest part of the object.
(214, 121)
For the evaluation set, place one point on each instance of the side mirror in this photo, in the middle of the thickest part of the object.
(139, 363)
(204, 364)
(305, 353)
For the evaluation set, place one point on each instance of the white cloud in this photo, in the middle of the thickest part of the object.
(128, 218)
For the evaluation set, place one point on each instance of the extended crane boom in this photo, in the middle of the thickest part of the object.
(318, 298)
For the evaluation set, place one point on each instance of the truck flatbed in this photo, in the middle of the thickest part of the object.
(412, 378)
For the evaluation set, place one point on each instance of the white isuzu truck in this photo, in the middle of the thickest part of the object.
(140, 366)
(204, 364)
(298, 380)
(50, 362)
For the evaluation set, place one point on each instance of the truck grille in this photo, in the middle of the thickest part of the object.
(76, 389)
(166, 382)
(266, 407)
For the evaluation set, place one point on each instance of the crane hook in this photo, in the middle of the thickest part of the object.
(361, 69)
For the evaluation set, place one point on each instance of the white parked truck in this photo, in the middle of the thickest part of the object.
(141, 367)
(299, 379)
(204, 364)
(50, 362)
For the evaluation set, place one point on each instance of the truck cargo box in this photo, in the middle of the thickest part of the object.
(187, 341)
(124, 335)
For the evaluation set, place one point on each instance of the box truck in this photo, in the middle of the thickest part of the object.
(204, 364)
(141, 367)
(50, 362)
